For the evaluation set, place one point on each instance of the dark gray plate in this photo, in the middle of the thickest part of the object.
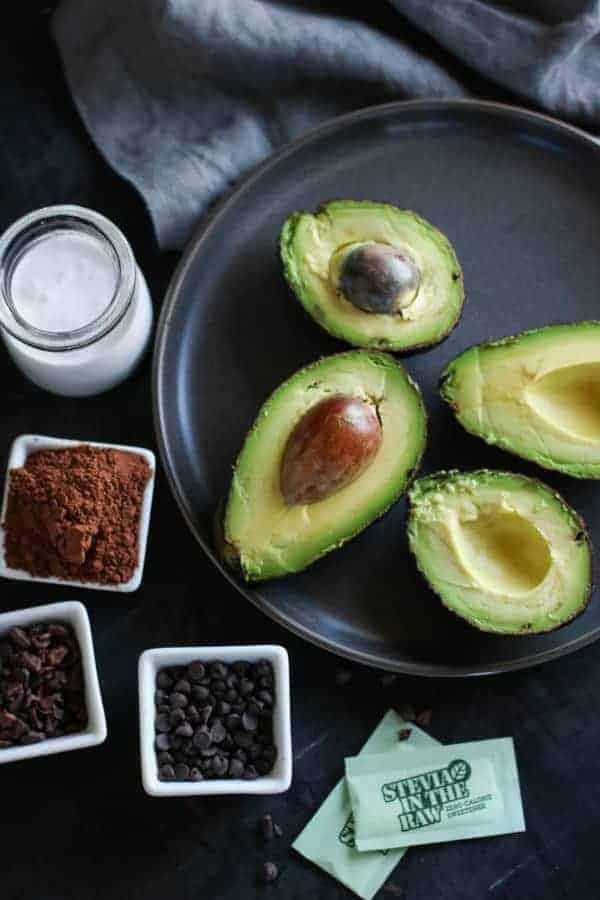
(518, 196)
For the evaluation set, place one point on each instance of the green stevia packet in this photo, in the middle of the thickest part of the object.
(432, 795)
(328, 839)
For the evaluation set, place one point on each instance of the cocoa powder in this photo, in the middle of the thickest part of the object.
(74, 513)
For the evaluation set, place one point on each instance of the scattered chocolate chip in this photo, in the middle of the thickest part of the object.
(404, 734)
(269, 872)
(267, 827)
(278, 831)
(423, 718)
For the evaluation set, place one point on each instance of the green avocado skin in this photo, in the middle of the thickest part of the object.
(448, 481)
(333, 322)
(461, 371)
(280, 412)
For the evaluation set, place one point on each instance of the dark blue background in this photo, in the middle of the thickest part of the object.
(78, 826)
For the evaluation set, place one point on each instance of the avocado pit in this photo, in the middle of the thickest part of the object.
(375, 277)
(333, 443)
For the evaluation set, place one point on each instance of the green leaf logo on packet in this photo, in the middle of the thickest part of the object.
(450, 793)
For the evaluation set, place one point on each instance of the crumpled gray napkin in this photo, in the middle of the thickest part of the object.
(184, 96)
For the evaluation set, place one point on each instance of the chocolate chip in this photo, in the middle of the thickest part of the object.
(165, 757)
(246, 687)
(249, 721)
(218, 688)
(162, 722)
(219, 670)
(162, 741)
(176, 717)
(196, 672)
(185, 730)
(242, 738)
(202, 738)
(236, 768)
(250, 773)
(233, 722)
(267, 828)
(217, 732)
(164, 680)
(269, 872)
(166, 773)
(182, 771)
(205, 713)
(178, 700)
(219, 766)
(278, 831)
(223, 708)
(404, 734)
(423, 719)
(183, 687)
(232, 696)
(266, 697)
(200, 694)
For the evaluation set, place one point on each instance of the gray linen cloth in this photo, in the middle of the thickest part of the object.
(184, 96)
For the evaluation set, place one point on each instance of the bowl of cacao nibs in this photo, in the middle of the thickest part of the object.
(50, 699)
(215, 720)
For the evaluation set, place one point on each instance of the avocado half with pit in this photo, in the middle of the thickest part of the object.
(331, 449)
(373, 275)
(504, 552)
(536, 394)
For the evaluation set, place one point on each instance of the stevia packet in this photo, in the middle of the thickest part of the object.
(328, 839)
(432, 795)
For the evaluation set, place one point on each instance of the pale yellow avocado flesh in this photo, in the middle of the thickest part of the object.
(270, 538)
(308, 243)
(501, 550)
(537, 395)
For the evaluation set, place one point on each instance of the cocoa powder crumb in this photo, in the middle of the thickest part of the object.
(74, 514)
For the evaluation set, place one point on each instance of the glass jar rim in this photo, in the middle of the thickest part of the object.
(13, 243)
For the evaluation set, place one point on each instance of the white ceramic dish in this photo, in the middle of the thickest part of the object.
(20, 450)
(277, 781)
(74, 614)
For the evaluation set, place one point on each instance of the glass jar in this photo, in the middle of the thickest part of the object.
(75, 309)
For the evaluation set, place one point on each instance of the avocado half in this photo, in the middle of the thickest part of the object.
(316, 254)
(504, 552)
(536, 394)
(262, 536)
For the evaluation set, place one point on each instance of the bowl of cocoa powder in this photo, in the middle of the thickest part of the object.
(76, 513)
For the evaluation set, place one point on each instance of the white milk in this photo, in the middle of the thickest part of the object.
(75, 309)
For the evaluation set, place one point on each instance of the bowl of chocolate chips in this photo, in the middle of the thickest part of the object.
(215, 720)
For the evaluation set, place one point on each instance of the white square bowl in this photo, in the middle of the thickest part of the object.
(75, 615)
(26, 444)
(277, 781)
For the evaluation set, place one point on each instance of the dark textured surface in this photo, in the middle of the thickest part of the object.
(78, 826)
